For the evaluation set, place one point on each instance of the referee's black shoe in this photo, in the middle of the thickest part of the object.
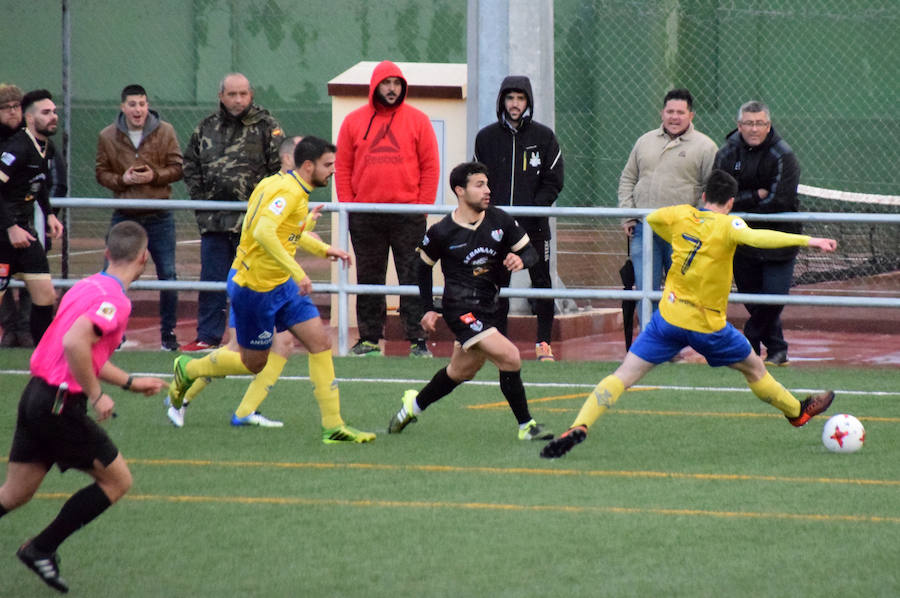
(45, 564)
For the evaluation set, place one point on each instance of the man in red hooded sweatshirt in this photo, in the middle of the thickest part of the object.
(387, 153)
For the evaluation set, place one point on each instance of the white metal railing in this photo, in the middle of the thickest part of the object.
(342, 288)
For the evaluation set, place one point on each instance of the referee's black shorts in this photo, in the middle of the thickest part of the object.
(469, 325)
(67, 437)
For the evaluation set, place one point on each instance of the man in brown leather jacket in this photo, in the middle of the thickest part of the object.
(138, 157)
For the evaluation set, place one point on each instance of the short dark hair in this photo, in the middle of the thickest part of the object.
(125, 241)
(133, 90)
(311, 148)
(720, 187)
(459, 176)
(33, 96)
(679, 94)
(287, 146)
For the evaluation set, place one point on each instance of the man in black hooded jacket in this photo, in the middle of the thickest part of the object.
(526, 169)
(767, 173)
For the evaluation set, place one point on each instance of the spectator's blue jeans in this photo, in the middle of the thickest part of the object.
(216, 255)
(662, 259)
(160, 229)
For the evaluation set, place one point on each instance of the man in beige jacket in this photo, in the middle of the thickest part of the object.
(668, 166)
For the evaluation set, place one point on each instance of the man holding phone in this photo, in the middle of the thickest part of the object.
(138, 157)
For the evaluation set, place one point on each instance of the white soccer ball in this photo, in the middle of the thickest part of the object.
(843, 433)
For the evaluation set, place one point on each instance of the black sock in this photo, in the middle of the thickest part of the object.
(512, 388)
(81, 508)
(41, 316)
(440, 386)
(3, 511)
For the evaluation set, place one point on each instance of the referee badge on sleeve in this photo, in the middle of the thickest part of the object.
(107, 311)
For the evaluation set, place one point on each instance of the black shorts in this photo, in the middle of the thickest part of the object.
(25, 260)
(69, 438)
(470, 325)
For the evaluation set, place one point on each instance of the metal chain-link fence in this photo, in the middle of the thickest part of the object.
(179, 51)
(828, 69)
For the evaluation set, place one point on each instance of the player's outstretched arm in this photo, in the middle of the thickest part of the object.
(335, 254)
(147, 385)
(827, 245)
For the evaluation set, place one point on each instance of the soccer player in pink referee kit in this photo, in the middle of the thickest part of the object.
(53, 424)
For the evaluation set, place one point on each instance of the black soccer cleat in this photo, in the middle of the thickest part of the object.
(812, 406)
(558, 447)
(44, 564)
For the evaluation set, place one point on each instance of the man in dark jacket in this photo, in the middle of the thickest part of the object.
(13, 317)
(230, 151)
(767, 173)
(526, 169)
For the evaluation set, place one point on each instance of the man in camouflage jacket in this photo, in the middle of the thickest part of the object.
(228, 153)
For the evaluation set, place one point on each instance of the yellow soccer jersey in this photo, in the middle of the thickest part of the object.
(272, 230)
(703, 243)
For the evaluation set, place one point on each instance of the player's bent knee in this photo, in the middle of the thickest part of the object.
(461, 374)
(42, 291)
(116, 480)
(254, 362)
(124, 483)
(10, 499)
(510, 362)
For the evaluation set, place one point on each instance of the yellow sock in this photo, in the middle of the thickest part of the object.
(771, 391)
(196, 388)
(218, 364)
(599, 401)
(321, 374)
(261, 384)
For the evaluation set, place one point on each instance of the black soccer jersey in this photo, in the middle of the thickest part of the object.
(472, 255)
(24, 179)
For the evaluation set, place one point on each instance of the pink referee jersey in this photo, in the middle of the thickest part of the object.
(101, 298)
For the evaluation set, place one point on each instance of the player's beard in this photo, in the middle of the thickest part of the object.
(320, 182)
(477, 206)
(47, 131)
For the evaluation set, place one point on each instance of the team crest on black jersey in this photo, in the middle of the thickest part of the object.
(497, 234)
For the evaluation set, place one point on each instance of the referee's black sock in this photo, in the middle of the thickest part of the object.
(41, 316)
(440, 386)
(82, 507)
(512, 388)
